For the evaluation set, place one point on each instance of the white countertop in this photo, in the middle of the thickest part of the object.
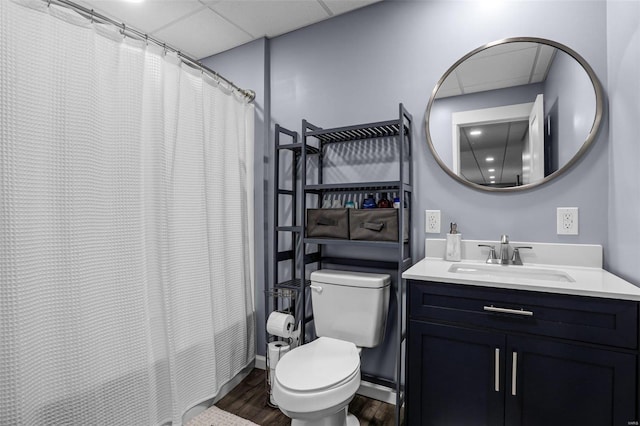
(589, 281)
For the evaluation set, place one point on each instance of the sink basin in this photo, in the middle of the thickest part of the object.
(511, 271)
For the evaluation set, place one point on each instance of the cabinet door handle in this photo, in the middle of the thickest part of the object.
(514, 373)
(508, 311)
(496, 366)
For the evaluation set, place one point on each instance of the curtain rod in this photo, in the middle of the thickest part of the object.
(250, 95)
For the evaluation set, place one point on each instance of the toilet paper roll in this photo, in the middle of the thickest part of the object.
(276, 352)
(280, 324)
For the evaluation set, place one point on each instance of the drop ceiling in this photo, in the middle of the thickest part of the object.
(201, 28)
(501, 66)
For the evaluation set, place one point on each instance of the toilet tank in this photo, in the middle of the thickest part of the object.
(350, 306)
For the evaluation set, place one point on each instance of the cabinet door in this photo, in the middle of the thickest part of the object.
(551, 383)
(454, 376)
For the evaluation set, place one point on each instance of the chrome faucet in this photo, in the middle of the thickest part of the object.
(492, 253)
(504, 249)
(504, 259)
(515, 258)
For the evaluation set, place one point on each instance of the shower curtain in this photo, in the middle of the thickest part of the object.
(125, 226)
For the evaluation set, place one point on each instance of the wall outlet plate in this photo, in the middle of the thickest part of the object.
(432, 221)
(567, 219)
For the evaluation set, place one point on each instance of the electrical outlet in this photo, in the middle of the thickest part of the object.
(567, 220)
(432, 221)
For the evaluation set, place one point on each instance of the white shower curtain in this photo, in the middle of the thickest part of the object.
(125, 226)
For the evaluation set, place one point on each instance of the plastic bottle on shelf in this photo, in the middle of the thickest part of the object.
(396, 203)
(369, 202)
(384, 202)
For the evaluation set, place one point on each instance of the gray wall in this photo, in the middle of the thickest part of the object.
(357, 67)
(569, 88)
(623, 43)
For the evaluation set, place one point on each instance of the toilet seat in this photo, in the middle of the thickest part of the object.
(316, 377)
(318, 365)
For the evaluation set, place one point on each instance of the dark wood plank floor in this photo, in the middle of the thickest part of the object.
(249, 400)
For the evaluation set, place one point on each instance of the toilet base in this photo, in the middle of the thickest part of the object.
(341, 418)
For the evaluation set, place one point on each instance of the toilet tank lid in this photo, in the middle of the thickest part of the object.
(351, 278)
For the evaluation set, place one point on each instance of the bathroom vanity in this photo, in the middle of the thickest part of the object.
(540, 345)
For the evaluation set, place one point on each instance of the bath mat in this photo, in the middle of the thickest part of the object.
(213, 416)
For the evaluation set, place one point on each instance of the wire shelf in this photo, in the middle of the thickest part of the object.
(361, 132)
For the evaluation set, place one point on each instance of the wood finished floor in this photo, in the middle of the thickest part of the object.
(249, 400)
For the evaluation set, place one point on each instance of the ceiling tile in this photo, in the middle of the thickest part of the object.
(449, 87)
(343, 6)
(202, 34)
(201, 28)
(147, 16)
(270, 17)
(496, 71)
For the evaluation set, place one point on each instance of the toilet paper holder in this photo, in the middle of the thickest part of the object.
(294, 340)
(281, 303)
(282, 345)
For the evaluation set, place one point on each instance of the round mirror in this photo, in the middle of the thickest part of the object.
(513, 114)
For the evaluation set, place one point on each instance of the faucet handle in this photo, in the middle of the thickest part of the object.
(492, 252)
(515, 258)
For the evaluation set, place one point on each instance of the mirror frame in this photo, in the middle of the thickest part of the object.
(585, 146)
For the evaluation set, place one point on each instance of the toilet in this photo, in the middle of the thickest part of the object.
(315, 382)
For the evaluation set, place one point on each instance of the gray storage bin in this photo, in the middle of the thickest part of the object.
(327, 223)
(376, 224)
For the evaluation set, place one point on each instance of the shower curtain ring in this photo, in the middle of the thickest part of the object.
(92, 16)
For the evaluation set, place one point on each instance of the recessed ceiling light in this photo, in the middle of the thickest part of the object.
(475, 132)
(492, 177)
(493, 181)
(489, 159)
(491, 170)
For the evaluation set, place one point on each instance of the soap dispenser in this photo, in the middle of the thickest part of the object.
(453, 250)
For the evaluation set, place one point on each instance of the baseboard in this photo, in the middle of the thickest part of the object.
(368, 389)
(375, 391)
(261, 362)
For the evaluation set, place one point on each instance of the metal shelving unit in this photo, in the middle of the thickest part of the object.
(286, 290)
(287, 273)
(315, 141)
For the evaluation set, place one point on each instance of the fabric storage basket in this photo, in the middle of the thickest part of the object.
(327, 223)
(375, 224)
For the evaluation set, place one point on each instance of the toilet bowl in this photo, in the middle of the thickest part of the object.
(314, 383)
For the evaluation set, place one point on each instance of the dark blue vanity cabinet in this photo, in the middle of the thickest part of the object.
(489, 356)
